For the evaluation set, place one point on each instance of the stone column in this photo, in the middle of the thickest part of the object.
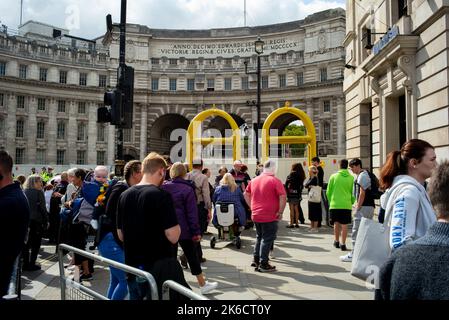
(309, 108)
(143, 131)
(10, 123)
(92, 133)
(31, 131)
(341, 126)
(111, 144)
(71, 132)
(52, 128)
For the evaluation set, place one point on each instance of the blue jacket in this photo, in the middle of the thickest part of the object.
(223, 194)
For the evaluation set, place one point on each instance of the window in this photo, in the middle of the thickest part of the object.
(62, 76)
(61, 106)
(81, 107)
(83, 56)
(154, 61)
(63, 53)
(102, 81)
(83, 79)
(80, 157)
(210, 83)
(2, 68)
(127, 135)
(283, 57)
(228, 84)
(101, 132)
(228, 62)
(23, 71)
(41, 104)
(42, 74)
(60, 157)
(102, 58)
(19, 128)
(20, 102)
(190, 84)
(155, 84)
(40, 156)
(245, 83)
(323, 74)
(301, 54)
(20, 155)
(61, 130)
(43, 50)
(300, 78)
(172, 85)
(190, 62)
(402, 8)
(81, 136)
(326, 106)
(173, 62)
(40, 131)
(210, 62)
(264, 80)
(326, 131)
(2, 99)
(282, 81)
(101, 158)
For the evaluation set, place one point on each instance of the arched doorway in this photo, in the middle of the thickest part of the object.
(162, 128)
(289, 125)
(216, 124)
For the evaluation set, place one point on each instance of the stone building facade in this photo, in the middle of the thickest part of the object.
(178, 73)
(396, 84)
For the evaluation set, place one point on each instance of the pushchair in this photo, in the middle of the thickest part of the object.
(227, 225)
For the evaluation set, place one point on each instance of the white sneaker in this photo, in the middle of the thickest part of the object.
(347, 257)
(208, 287)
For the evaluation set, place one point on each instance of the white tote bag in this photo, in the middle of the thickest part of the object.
(372, 248)
(315, 194)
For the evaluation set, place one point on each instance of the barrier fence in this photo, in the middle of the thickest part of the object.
(72, 290)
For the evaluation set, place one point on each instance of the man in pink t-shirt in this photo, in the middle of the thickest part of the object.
(266, 196)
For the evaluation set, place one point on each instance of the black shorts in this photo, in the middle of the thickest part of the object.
(342, 216)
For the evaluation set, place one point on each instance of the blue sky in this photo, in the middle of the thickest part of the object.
(86, 18)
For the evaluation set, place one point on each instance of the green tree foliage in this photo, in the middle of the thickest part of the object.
(296, 150)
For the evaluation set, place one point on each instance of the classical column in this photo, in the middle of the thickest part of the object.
(52, 128)
(143, 131)
(309, 108)
(71, 132)
(92, 134)
(11, 121)
(31, 131)
(111, 143)
(341, 126)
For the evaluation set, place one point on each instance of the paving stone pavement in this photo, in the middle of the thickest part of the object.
(308, 267)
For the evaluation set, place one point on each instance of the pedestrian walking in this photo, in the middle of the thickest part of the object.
(340, 195)
(364, 207)
(266, 196)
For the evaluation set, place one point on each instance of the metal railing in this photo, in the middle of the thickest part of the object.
(15, 284)
(86, 293)
(170, 284)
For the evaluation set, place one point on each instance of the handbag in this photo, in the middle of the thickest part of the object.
(372, 246)
(315, 194)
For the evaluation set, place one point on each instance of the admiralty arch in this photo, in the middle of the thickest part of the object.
(51, 87)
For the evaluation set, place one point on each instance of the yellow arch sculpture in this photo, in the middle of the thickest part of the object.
(193, 140)
(309, 139)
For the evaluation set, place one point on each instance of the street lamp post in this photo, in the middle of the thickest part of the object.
(258, 48)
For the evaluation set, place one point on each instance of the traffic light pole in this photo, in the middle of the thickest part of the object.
(119, 161)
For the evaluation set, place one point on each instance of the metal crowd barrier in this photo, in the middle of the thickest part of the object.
(170, 284)
(77, 290)
(80, 292)
(15, 284)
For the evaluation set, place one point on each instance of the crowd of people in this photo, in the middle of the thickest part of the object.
(163, 205)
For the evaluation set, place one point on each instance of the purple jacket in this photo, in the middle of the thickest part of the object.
(183, 194)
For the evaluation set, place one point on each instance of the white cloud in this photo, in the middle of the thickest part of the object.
(168, 14)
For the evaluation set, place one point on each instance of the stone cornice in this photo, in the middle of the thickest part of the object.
(400, 45)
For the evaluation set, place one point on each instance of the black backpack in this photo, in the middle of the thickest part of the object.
(374, 189)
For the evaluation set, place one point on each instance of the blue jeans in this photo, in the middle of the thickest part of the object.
(265, 236)
(118, 287)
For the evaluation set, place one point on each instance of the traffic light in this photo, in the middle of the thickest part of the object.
(128, 99)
